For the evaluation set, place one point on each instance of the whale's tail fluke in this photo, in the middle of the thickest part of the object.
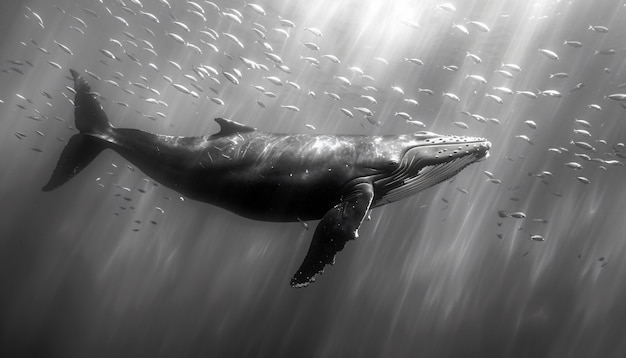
(82, 148)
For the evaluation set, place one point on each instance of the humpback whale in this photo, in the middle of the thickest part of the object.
(276, 177)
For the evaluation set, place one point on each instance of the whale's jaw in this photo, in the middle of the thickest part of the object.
(435, 160)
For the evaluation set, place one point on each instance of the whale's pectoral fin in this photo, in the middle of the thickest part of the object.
(340, 224)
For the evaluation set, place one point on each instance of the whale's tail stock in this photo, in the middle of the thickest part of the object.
(82, 148)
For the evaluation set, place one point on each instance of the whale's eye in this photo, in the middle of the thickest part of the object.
(392, 163)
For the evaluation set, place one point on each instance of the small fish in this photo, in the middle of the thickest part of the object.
(293, 84)
(551, 93)
(232, 78)
(403, 115)
(314, 31)
(416, 61)
(331, 58)
(582, 122)
(108, 54)
(196, 6)
(343, 81)
(232, 17)
(93, 75)
(284, 68)
(122, 20)
(181, 88)
(598, 28)
(291, 108)
(583, 180)
(531, 124)
(80, 21)
(426, 90)
(275, 80)
(574, 165)
(357, 70)
(577, 87)
(537, 237)
(504, 90)
(370, 99)
(549, 54)
(130, 36)
(447, 7)
(606, 51)
(504, 73)
(182, 25)
(332, 95)
(365, 111)
(257, 8)
(477, 78)
(617, 96)
(177, 38)
(495, 98)
(480, 26)
(274, 57)
(582, 132)
(311, 46)
(416, 123)
(347, 112)
(461, 125)
(511, 66)
(474, 57)
(54, 64)
(559, 75)
(311, 60)
(149, 31)
(452, 96)
(38, 18)
(517, 215)
(382, 60)
(524, 138)
(150, 16)
(575, 44)
(584, 145)
(286, 23)
(461, 28)
(218, 101)
(64, 48)
(311, 127)
(594, 107)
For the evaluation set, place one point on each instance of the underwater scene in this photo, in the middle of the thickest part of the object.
(179, 178)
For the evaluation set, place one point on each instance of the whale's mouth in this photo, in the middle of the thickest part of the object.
(424, 166)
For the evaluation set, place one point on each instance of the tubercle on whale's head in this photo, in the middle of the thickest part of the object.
(434, 148)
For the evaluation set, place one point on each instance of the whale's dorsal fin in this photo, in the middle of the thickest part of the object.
(229, 127)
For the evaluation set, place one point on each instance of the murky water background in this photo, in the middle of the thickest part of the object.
(94, 270)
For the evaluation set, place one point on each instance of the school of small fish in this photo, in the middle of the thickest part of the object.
(202, 50)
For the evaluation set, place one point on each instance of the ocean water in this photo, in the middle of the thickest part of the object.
(94, 269)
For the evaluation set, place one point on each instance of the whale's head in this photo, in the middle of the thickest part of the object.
(425, 159)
